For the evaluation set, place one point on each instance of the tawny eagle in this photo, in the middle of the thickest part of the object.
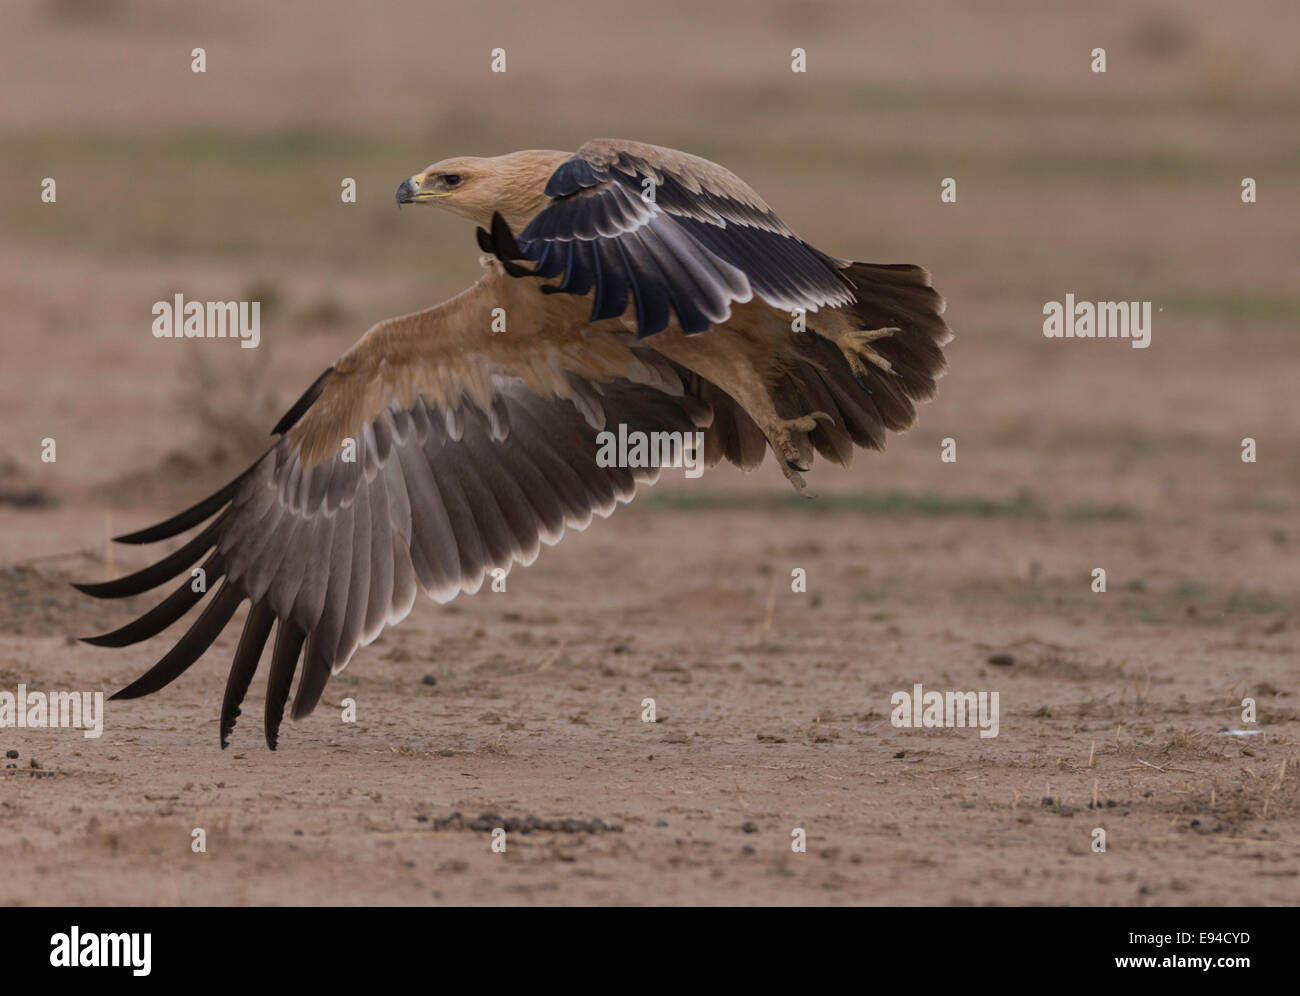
(640, 286)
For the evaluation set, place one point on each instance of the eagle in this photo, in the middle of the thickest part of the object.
(624, 285)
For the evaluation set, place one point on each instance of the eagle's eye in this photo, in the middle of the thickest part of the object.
(451, 179)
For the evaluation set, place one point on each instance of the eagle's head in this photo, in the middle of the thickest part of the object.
(476, 188)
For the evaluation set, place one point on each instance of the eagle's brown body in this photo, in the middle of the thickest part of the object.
(663, 294)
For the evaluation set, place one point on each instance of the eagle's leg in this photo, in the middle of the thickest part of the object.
(744, 358)
(856, 347)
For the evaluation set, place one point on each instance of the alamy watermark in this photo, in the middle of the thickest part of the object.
(1099, 320)
(94, 950)
(636, 448)
(921, 709)
(181, 319)
(63, 710)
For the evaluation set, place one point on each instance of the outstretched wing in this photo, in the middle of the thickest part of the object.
(676, 232)
(398, 473)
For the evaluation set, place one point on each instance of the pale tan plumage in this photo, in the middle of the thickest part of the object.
(638, 285)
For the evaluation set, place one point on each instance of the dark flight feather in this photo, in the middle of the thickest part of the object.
(702, 241)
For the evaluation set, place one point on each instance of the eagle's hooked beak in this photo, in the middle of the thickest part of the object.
(422, 187)
(409, 191)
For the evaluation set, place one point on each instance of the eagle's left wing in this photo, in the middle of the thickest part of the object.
(428, 456)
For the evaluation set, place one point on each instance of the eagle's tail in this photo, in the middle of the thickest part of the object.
(900, 296)
(876, 390)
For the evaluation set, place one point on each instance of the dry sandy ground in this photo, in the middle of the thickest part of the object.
(772, 706)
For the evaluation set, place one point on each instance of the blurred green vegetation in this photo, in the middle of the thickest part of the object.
(889, 503)
(860, 503)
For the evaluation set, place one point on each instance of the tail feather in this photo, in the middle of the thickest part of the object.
(817, 376)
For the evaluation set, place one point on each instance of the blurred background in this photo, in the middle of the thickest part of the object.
(1123, 185)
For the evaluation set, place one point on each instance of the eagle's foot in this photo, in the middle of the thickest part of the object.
(789, 453)
(856, 347)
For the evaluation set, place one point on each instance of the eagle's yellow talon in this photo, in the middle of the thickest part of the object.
(806, 423)
(855, 347)
(794, 454)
